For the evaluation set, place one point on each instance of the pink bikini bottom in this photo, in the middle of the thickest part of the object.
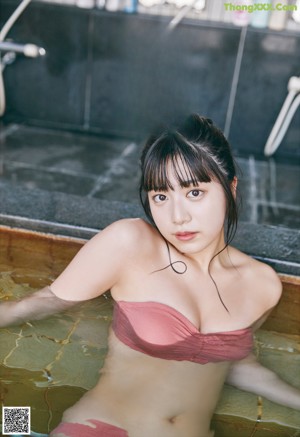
(101, 429)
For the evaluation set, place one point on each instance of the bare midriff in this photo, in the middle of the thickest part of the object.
(150, 396)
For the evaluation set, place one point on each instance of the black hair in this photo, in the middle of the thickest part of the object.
(204, 154)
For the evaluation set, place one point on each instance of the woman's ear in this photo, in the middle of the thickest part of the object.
(234, 185)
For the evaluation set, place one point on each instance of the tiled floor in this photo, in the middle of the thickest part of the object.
(102, 168)
(71, 163)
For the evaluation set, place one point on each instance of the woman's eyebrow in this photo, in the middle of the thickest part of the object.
(190, 182)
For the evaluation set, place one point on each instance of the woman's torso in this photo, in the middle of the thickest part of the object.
(148, 395)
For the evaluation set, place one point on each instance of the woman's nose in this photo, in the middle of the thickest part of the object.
(180, 214)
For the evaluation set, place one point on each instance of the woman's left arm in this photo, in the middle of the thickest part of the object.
(248, 374)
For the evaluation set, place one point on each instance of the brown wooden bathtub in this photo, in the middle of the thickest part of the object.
(35, 359)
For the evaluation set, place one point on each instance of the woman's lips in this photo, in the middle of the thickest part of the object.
(185, 236)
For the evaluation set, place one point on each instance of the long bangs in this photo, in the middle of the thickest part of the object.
(186, 160)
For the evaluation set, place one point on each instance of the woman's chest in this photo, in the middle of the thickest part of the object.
(211, 305)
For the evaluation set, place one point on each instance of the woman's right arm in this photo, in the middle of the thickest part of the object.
(35, 306)
(95, 269)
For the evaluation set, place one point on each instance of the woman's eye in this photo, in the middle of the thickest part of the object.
(194, 194)
(159, 198)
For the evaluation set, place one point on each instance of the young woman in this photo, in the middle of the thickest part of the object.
(186, 302)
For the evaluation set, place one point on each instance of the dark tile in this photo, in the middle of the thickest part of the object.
(88, 155)
(50, 88)
(269, 60)
(121, 180)
(279, 216)
(270, 192)
(143, 76)
(71, 163)
(35, 177)
(278, 182)
(61, 210)
(107, 169)
(124, 188)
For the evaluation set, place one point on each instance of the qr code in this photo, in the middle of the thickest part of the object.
(16, 420)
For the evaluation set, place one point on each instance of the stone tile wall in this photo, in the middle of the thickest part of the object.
(123, 74)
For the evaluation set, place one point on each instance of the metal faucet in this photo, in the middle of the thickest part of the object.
(30, 50)
(12, 49)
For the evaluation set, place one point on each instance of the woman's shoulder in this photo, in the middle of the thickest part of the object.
(260, 277)
(130, 227)
(132, 234)
(268, 280)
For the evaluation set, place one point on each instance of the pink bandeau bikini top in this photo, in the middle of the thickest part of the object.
(161, 331)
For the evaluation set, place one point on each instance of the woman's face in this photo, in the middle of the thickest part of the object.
(192, 218)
